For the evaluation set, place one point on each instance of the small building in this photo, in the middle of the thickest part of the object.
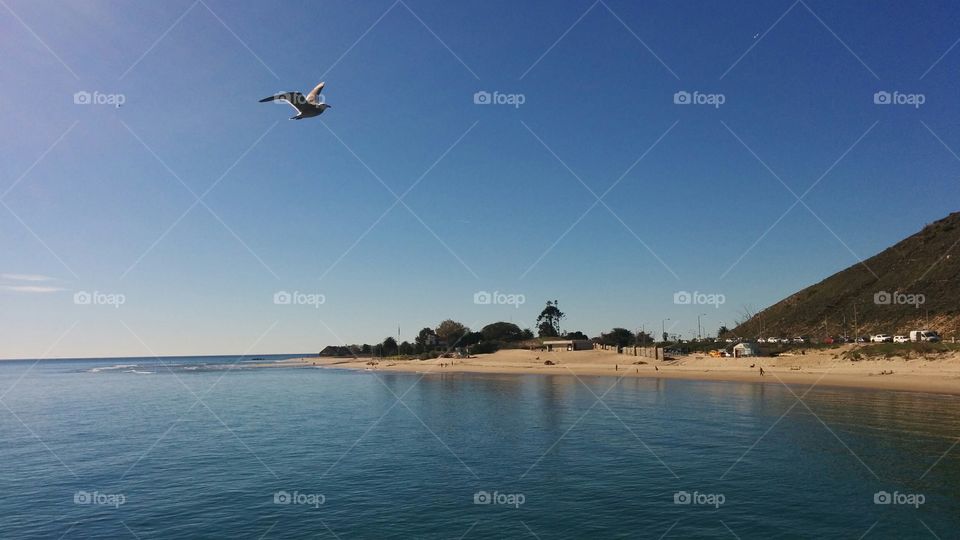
(743, 350)
(568, 345)
(334, 350)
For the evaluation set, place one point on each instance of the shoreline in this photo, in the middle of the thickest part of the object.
(938, 376)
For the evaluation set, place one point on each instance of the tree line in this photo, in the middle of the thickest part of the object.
(451, 335)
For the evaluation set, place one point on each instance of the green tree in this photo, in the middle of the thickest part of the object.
(451, 331)
(426, 339)
(548, 322)
(618, 336)
(365, 349)
(723, 330)
(644, 338)
(527, 334)
(502, 331)
(406, 348)
(575, 335)
(389, 346)
(470, 338)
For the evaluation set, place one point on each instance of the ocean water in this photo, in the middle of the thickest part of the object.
(197, 448)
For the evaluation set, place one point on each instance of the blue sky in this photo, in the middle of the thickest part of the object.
(99, 198)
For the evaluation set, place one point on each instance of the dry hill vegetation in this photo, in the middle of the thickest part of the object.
(927, 264)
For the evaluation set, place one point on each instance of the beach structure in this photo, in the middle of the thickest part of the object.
(743, 350)
(568, 345)
(647, 352)
(334, 350)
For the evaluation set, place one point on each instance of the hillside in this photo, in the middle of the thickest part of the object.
(917, 285)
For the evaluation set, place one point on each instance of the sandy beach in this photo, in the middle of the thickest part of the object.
(821, 368)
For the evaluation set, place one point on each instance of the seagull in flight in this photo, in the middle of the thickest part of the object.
(307, 106)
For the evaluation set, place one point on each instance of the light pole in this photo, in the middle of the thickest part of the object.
(663, 329)
(699, 335)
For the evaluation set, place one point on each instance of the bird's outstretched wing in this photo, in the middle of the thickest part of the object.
(314, 96)
(295, 99)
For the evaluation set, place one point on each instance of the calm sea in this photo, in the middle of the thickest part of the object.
(195, 448)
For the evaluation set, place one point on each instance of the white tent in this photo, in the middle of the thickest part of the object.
(741, 350)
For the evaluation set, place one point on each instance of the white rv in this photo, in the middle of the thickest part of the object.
(924, 335)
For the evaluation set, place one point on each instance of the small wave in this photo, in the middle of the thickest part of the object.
(112, 368)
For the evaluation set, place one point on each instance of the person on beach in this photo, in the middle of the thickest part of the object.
(761, 371)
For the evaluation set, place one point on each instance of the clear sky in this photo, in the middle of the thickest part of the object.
(99, 198)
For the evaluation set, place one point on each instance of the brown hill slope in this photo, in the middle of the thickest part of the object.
(916, 285)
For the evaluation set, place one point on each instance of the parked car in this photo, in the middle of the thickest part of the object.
(901, 339)
(799, 340)
(924, 335)
(881, 338)
(862, 339)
